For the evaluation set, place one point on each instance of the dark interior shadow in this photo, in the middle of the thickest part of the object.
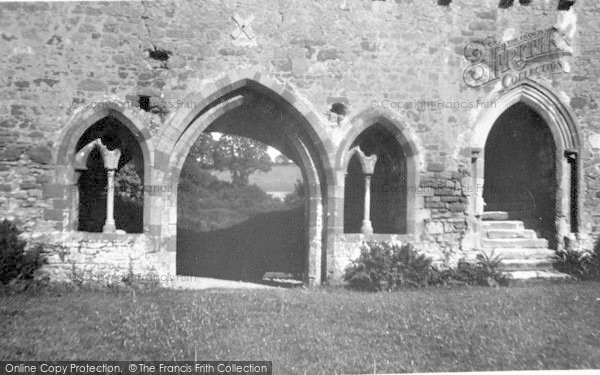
(267, 242)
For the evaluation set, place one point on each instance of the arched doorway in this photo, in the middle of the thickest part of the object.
(241, 213)
(540, 106)
(262, 110)
(520, 170)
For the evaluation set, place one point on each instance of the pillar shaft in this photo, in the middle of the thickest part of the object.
(109, 225)
(367, 226)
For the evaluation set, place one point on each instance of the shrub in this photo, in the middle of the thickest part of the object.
(485, 271)
(16, 264)
(584, 265)
(385, 266)
(488, 270)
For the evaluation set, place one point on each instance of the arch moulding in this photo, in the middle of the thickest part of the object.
(308, 136)
(407, 142)
(565, 133)
(64, 158)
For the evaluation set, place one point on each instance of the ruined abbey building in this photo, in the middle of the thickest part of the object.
(459, 126)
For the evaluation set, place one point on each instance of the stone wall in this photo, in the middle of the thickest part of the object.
(442, 254)
(401, 58)
(99, 258)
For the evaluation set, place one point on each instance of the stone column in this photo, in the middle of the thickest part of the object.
(367, 226)
(111, 162)
(109, 225)
(478, 181)
(368, 166)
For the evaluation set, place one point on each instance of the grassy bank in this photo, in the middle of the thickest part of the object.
(315, 331)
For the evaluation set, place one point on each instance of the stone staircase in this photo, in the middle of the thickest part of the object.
(525, 257)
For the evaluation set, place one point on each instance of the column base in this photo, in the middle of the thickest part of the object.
(109, 228)
(367, 227)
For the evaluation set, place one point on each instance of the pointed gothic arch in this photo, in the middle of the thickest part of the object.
(406, 147)
(63, 192)
(565, 134)
(305, 135)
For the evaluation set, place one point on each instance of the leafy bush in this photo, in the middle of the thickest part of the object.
(485, 271)
(584, 265)
(384, 266)
(16, 264)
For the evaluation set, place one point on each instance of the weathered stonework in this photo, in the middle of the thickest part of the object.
(67, 65)
(99, 258)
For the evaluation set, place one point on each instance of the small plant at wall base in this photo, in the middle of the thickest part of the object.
(485, 271)
(584, 265)
(385, 266)
(16, 265)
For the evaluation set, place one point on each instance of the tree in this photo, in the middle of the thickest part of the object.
(202, 151)
(241, 156)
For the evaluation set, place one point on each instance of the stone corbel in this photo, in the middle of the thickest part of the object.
(82, 155)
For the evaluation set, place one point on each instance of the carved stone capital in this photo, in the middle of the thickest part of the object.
(367, 163)
(110, 157)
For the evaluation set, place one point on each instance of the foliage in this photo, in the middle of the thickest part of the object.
(386, 266)
(16, 265)
(584, 265)
(220, 204)
(241, 156)
(128, 184)
(485, 271)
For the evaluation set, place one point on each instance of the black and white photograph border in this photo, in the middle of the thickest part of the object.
(309, 187)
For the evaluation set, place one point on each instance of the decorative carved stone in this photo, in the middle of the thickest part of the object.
(110, 157)
(367, 163)
(243, 27)
(83, 154)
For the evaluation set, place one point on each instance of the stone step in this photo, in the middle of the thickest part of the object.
(514, 242)
(510, 233)
(503, 224)
(526, 264)
(537, 276)
(516, 253)
(494, 215)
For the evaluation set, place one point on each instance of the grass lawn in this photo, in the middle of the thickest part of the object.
(319, 331)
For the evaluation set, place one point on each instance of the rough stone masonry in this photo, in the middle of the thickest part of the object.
(398, 65)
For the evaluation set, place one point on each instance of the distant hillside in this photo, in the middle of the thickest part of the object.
(281, 179)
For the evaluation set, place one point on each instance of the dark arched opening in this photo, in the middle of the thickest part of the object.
(129, 179)
(389, 190)
(520, 170)
(354, 196)
(245, 229)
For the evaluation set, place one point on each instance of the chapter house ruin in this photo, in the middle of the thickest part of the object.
(402, 131)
